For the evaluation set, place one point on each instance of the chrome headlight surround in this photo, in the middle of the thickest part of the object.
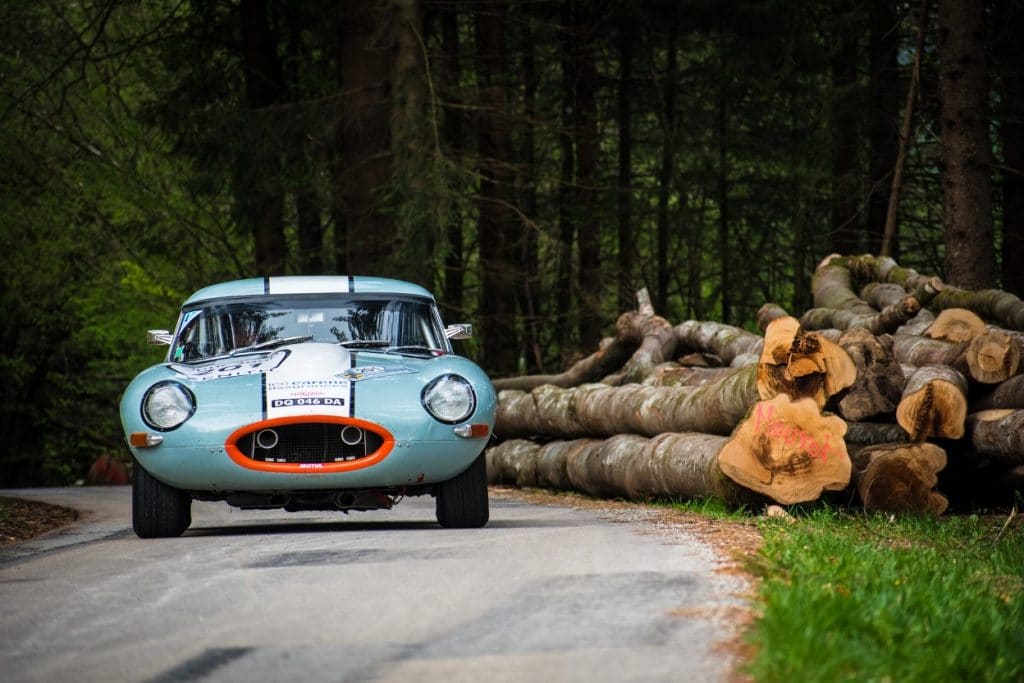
(167, 405)
(449, 399)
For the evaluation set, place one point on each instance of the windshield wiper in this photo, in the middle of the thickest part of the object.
(415, 348)
(366, 343)
(273, 343)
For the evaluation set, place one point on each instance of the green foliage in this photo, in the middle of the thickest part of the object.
(873, 598)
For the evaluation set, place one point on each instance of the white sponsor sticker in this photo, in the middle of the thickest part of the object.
(231, 367)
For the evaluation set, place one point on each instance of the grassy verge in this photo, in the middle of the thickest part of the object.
(851, 596)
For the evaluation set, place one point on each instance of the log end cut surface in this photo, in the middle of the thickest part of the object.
(788, 450)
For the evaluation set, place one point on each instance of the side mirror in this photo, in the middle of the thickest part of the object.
(459, 331)
(159, 337)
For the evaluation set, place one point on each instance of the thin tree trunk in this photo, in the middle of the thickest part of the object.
(966, 152)
(364, 136)
(453, 133)
(1010, 17)
(665, 173)
(259, 170)
(499, 349)
(587, 148)
(890, 235)
(883, 114)
(566, 187)
(844, 115)
(624, 194)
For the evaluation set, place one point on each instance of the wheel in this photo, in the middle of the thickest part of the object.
(158, 510)
(462, 500)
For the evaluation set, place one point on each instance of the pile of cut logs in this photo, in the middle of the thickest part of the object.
(891, 391)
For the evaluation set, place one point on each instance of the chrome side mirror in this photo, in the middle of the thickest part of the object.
(159, 337)
(459, 331)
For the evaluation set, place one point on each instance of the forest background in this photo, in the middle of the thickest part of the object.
(532, 162)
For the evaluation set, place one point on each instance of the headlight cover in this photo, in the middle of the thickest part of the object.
(449, 399)
(167, 405)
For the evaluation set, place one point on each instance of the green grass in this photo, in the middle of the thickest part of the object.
(849, 596)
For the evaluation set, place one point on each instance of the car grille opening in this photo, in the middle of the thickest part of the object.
(309, 443)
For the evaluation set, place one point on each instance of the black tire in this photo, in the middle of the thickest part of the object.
(158, 510)
(462, 500)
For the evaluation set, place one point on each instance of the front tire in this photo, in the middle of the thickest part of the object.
(462, 500)
(158, 510)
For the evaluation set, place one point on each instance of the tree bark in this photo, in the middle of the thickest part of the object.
(883, 114)
(844, 116)
(998, 434)
(990, 304)
(880, 381)
(499, 348)
(900, 477)
(587, 150)
(624, 192)
(627, 466)
(1009, 17)
(966, 153)
(890, 236)
(594, 410)
(364, 131)
(882, 322)
(258, 183)
(453, 132)
(724, 341)
(1008, 394)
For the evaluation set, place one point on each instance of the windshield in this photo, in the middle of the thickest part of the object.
(220, 328)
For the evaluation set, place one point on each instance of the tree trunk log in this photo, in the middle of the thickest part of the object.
(999, 434)
(877, 322)
(956, 325)
(600, 410)
(1009, 394)
(993, 357)
(900, 477)
(658, 345)
(991, 304)
(626, 466)
(802, 365)
(789, 451)
(934, 403)
(724, 341)
(880, 380)
(612, 353)
(873, 433)
(832, 287)
(675, 375)
(768, 313)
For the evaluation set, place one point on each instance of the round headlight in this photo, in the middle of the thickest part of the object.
(449, 398)
(167, 405)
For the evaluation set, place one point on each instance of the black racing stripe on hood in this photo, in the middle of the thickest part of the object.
(351, 284)
(266, 284)
(263, 394)
(352, 387)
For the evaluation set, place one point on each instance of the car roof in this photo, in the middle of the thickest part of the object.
(308, 284)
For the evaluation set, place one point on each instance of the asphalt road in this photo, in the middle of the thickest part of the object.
(542, 593)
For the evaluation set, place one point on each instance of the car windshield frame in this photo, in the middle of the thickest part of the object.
(216, 328)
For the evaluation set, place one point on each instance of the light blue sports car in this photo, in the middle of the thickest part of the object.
(308, 393)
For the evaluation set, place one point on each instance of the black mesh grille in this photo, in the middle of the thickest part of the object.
(316, 442)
